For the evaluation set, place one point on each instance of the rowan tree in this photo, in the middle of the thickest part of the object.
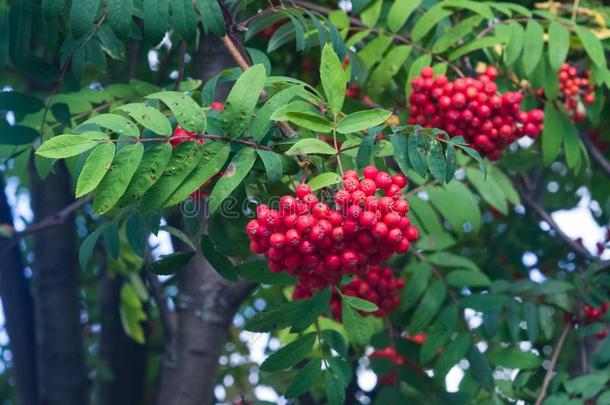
(365, 189)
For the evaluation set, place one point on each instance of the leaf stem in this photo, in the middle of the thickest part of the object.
(549, 372)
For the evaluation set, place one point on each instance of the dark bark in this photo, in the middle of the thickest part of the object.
(125, 358)
(205, 310)
(61, 365)
(207, 302)
(18, 311)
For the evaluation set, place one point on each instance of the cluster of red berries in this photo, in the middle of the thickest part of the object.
(379, 285)
(472, 108)
(318, 244)
(575, 88)
(594, 314)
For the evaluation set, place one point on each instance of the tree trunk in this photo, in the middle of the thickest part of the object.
(207, 302)
(18, 311)
(61, 365)
(125, 358)
(206, 307)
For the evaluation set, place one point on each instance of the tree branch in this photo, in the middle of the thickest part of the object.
(596, 154)
(549, 372)
(545, 216)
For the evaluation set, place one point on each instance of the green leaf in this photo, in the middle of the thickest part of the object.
(429, 306)
(370, 16)
(545, 314)
(457, 204)
(313, 122)
(180, 235)
(467, 278)
(304, 379)
(309, 146)
(428, 21)
(400, 145)
(258, 272)
(485, 302)
(273, 165)
(63, 146)
(335, 393)
(452, 354)
(188, 113)
(232, 177)
(324, 180)
(515, 42)
(555, 125)
(450, 163)
(334, 79)
(573, 146)
(489, 190)
(214, 156)
(170, 264)
(373, 51)
(513, 318)
(312, 309)
(82, 16)
(155, 15)
(148, 117)
(456, 33)
(88, 245)
(592, 45)
(399, 13)
(219, 262)
(151, 168)
(212, 17)
(20, 103)
(96, 166)
(390, 65)
(290, 354)
(241, 101)
(116, 181)
(532, 46)
(436, 162)
(183, 19)
(262, 122)
(276, 318)
(439, 333)
(416, 152)
(356, 327)
(362, 120)
(477, 7)
(559, 45)
(20, 29)
(530, 314)
(480, 368)
(335, 340)
(119, 16)
(513, 358)
(426, 215)
(131, 313)
(185, 158)
(479, 43)
(52, 8)
(17, 135)
(416, 285)
(116, 123)
(505, 184)
(415, 69)
(360, 304)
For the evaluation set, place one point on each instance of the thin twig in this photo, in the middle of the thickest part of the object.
(545, 216)
(358, 23)
(188, 138)
(596, 154)
(48, 222)
(549, 372)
